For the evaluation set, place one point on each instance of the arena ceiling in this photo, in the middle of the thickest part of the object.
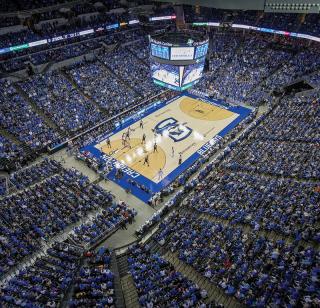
(283, 6)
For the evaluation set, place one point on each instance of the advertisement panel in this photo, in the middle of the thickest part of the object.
(182, 53)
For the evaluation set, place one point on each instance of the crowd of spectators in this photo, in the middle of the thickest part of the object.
(62, 49)
(134, 34)
(244, 69)
(65, 52)
(286, 143)
(93, 286)
(141, 49)
(248, 68)
(255, 270)
(278, 158)
(64, 271)
(222, 48)
(52, 28)
(282, 21)
(46, 282)
(314, 79)
(295, 119)
(159, 284)
(26, 177)
(18, 118)
(3, 186)
(107, 221)
(305, 61)
(53, 51)
(44, 210)
(242, 193)
(98, 83)
(11, 153)
(280, 205)
(135, 72)
(259, 184)
(61, 101)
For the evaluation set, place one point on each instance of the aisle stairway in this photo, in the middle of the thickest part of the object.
(128, 288)
(74, 84)
(120, 303)
(129, 292)
(118, 77)
(215, 294)
(39, 111)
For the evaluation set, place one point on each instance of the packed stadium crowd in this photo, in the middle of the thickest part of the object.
(115, 216)
(254, 67)
(255, 270)
(94, 284)
(62, 102)
(245, 216)
(26, 177)
(63, 267)
(159, 284)
(20, 120)
(10, 151)
(49, 199)
(102, 86)
(139, 80)
(284, 148)
(282, 206)
(46, 281)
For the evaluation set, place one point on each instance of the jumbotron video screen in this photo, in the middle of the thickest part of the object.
(177, 64)
(177, 77)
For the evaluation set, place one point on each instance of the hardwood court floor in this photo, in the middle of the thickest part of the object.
(199, 120)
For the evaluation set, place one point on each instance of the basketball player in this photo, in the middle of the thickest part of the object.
(155, 147)
(146, 160)
(128, 134)
(143, 141)
(160, 174)
(172, 151)
(141, 124)
(123, 139)
(127, 143)
(108, 143)
(154, 133)
(180, 158)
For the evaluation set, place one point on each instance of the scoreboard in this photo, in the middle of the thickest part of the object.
(161, 51)
(177, 66)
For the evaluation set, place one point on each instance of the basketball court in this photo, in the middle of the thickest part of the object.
(156, 145)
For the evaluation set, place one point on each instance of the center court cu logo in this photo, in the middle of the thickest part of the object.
(176, 131)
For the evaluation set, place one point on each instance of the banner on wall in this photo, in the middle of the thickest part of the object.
(158, 18)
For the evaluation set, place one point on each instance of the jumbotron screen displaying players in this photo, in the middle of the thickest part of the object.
(175, 77)
(177, 59)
